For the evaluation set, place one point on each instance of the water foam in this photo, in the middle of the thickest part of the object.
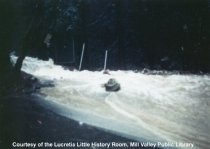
(154, 107)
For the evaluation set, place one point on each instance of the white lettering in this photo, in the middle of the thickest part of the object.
(26, 144)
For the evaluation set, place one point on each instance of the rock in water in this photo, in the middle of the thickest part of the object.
(112, 85)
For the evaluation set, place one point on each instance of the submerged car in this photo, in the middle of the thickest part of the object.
(112, 85)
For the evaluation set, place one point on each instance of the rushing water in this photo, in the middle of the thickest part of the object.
(173, 108)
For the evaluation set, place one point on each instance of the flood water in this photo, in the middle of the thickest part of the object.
(158, 108)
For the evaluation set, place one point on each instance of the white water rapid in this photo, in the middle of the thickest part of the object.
(158, 108)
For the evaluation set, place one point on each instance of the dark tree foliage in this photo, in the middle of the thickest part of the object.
(7, 20)
(39, 19)
(162, 34)
(35, 29)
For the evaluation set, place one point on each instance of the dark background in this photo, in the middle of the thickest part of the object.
(153, 34)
